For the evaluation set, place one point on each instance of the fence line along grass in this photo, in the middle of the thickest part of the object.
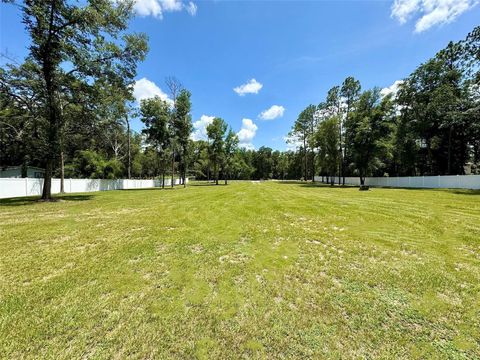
(249, 270)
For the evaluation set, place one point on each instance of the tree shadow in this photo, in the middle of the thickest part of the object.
(442, 190)
(316, 184)
(346, 186)
(32, 200)
(293, 182)
(463, 192)
(207, 184)
(154, 188)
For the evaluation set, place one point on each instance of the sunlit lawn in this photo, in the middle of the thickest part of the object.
(249, 270)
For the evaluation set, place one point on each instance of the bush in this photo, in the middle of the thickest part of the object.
(112, 169)
(90, 164)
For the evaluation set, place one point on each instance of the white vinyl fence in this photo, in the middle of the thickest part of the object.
(431, 182)
(14, 187)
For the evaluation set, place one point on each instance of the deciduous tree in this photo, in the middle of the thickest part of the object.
(155, 113)
(216, 132)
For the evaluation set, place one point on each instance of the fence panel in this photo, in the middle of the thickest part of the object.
(431, 182)
(17, 187)
(13, 188)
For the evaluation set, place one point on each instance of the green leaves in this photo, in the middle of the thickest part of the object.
(77, 50)
(155, 113)
(434, 101)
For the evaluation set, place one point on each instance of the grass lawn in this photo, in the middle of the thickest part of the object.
(249, 270)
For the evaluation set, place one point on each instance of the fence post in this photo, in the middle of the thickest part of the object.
(26, 186)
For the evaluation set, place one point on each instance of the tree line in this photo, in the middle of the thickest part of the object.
(430, 125)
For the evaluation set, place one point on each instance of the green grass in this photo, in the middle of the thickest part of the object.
(249, 270)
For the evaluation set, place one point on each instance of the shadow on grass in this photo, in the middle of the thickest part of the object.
(336, 186)
(464, 192)
(207, 184)
(443, 190)
(154, 188)
(25, 201)
(172, 188)
(316, 184)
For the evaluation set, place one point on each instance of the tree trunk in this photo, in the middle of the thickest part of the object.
(313, 166)
(184, 167)
(173, 169)
(163, 179)
(47, 181)
(53, 145)
(362, 180)
(449, 161)
(62, 153)
(62, 173)
(345, 139)
(208, 172)
(48, 54)
(129, 154)
(53, 134)
(216, 174)
(305, 156)
(339, 173)
(184, 175)
(340, 163)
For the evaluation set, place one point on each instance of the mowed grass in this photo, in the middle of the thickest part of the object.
(249, 270)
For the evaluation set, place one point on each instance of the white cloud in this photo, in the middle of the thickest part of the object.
(200, 128)
(147, 8)
(145, 89)
(430, 12)
(404, 9)
(274, 112)
(251, 87)
(247, 133)
(171, 5)
(191, 8)
(156, 8)
(392, 89)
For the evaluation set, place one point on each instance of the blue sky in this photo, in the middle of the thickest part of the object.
(294, 50)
